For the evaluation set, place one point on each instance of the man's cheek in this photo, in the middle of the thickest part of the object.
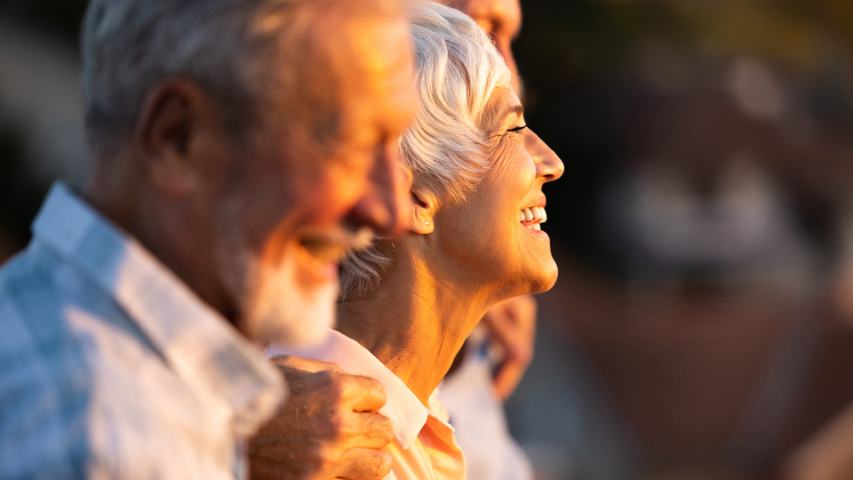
(334, 199)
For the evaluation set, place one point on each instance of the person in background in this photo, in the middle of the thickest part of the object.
(408, 304)
(501, 19)
(241, 148)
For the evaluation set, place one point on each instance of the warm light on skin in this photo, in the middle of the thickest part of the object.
(515, 333)
(472, 255)
(484, 230)
(255, 224)
(356, 182)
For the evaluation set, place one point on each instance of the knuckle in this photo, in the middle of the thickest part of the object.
(364, 385)
(384, 462)
(332, 385)
(384, 427)
(377, 427)
(375, 464)
(372, 385)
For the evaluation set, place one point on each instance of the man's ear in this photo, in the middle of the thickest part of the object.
(424, 204)
(170, 118)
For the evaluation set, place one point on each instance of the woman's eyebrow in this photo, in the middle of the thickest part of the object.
(501, 120)
(517, 109)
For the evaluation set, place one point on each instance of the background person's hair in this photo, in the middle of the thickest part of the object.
(457, 69)
(240, 51)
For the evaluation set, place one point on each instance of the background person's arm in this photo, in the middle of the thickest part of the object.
(512, 326)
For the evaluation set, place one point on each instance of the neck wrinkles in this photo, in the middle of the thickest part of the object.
(414, 323)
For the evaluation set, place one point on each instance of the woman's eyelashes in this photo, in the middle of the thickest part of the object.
(504, 134)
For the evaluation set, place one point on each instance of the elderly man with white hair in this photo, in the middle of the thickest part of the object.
(242, 146)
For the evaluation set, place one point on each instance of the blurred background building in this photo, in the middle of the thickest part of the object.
(702, 326)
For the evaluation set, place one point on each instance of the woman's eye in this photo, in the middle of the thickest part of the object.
(517, 129)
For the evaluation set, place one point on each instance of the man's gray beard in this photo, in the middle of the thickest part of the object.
(271, 305)
(292, 316)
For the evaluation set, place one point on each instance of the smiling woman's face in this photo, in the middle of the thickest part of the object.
(494, 236)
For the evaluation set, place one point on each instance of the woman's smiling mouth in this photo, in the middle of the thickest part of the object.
(533, 217)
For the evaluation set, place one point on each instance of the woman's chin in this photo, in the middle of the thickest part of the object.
(544, 280)
(548, 282)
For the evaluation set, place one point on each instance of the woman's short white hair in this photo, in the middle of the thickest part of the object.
(457, 69)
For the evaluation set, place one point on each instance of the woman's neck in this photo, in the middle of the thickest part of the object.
(414, 323)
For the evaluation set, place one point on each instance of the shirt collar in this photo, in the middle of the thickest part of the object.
(406, 412)
(200, 345)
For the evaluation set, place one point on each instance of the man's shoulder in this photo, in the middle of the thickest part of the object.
(41, 409)
(30, 308)
(34, 309)
(41, 293)
(29, 284)
(47, 374)
(32, 314)
(54, 392)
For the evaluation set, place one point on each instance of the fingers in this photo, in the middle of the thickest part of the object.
(512, 326)
(304, 364)
(364, 394)
(371, 430)
(512, 321)
(513, 329)
(512, 367)
(507, 377)
(329, 425)
(363, 464)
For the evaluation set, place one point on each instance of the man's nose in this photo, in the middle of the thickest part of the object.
(548, 164)
(386, 205)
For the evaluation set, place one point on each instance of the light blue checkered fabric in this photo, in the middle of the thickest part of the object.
(110, 367)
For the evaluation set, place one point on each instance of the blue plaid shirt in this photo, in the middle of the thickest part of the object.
(110, 367)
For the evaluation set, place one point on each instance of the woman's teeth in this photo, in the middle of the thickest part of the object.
(532, 217)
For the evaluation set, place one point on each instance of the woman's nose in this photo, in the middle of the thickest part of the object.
(548, 164)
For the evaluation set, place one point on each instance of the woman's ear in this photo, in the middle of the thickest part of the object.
(424, 204)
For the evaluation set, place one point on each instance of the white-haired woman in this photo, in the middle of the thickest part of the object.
(409, 303)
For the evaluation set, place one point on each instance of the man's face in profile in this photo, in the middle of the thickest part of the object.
(319, 174)
(502, 20)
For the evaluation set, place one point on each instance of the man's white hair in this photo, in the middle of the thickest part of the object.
(457, 69)
(232, 48)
